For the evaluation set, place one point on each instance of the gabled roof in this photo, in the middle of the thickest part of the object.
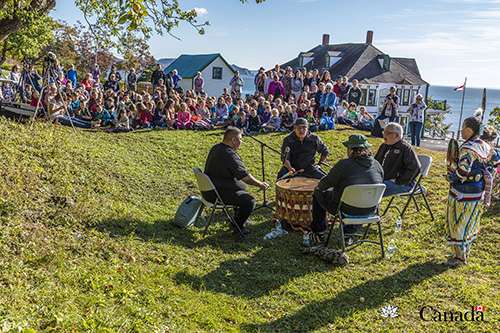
(360, 61)
(188, 65)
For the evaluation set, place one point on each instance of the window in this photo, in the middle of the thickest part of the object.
(372, 94)
(414, 94)
(406, 97)
(364, 92)
(217, 73)
(399, 92)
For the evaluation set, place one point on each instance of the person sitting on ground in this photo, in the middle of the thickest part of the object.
(253, 125)
(288, 118)
(221, 112)
(183, 118)
(399, 160)
(365, 120)
(328, 100)
(229, 175)
(274, 123)
(327, 120)
(299, 150)
(355, 93)
(358, 168)
(311, 120)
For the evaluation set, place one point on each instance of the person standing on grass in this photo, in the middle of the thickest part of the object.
(72, 75)
(229, 175)
(236, 84)
(355, 94)
(416, 111)
(470, 182)
(199, 83)
(132, 80)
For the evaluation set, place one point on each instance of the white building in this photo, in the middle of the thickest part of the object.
(215, 71)
(375, 70)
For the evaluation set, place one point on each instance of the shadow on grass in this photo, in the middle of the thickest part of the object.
(377, 293)
(267, 270)
(165, 231)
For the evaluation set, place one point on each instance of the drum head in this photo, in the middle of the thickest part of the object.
(299, 184)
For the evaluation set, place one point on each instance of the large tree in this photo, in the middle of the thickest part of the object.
(107, 17)
(28, 42)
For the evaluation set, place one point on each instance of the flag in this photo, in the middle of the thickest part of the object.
(479, 308)
(460, 88)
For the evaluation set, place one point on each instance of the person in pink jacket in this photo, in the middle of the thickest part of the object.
(184, 118)
(276, 87)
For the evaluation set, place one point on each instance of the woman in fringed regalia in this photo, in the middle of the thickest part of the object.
(469, 191)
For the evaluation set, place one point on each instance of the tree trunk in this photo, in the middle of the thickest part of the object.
(8, 26)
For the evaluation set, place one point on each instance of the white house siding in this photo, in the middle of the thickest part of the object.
(186, 84)
(215, 87)
(382, 89)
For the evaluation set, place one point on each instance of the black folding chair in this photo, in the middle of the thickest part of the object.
(417, 190)
(206, 185)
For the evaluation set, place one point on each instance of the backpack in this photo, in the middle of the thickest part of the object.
(189, 212)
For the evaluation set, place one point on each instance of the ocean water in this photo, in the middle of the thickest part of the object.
(472, 101)
(453, 98)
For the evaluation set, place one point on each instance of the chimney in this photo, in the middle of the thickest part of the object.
(326, 40)
(369, 37)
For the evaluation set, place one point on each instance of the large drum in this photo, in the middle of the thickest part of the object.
(294, 201)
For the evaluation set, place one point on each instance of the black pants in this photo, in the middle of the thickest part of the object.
(244, 202)
(324, 202)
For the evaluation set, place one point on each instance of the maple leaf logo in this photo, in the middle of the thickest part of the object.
(389, 311)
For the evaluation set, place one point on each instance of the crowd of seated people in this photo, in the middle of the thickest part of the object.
(115, 103)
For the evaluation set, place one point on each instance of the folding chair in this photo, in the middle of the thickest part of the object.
(418, 189)
(206, 185)
(360, 196)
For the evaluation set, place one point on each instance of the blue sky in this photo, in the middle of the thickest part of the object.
(450, 39)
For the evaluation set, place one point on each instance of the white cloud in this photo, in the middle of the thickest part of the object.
(448, 51)
(200, 11)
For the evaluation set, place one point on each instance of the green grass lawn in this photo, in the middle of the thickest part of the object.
(87, 244)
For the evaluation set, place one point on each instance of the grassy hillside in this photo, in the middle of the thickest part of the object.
(87, 244)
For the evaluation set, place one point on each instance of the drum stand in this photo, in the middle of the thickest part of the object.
(265, 203)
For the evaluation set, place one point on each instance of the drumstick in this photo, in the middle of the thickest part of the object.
(294, 173)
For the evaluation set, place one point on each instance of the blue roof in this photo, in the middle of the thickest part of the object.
(188, 65)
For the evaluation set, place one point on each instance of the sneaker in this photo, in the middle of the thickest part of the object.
(276, 232)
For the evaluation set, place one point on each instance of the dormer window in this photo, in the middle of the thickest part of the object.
(384, 61)
(332, 57)
(306, 58)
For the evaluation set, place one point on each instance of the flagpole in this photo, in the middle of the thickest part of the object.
(483, 105)
(461, 110)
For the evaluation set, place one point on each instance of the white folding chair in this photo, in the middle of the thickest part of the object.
(360, 196)
(418, 189)
(206, 185)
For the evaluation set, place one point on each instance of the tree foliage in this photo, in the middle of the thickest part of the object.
(494, 119)
(108, 18)
(28, 42)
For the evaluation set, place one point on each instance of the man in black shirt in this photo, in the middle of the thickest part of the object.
(399, 160)
(299, 150)
(229, 175)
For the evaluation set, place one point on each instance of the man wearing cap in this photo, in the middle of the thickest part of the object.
(358, 168)
(298, 152)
